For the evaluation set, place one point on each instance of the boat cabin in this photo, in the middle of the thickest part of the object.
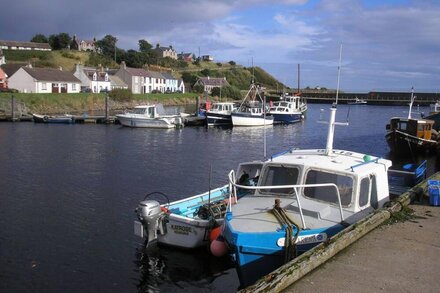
(223, 107)
(361, 182)
(420, 128)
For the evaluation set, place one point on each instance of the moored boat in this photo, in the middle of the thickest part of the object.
(58, 119)
(252, 111)
(148, 116)
(303, 197)
(220, 113)
(409, 136)
(357, 101)
(289, 109)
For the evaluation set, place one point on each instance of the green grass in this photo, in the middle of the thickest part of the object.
(86, 102)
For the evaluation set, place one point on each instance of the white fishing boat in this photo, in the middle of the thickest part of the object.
(220, 113)
(252, 111)
(289, 109)
(302, 198)
(149, 116)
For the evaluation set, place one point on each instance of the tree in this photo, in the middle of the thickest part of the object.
(107, 45)
(232, 63)
(144, 46)
(60, 41)
(206, 72)
(39, 38)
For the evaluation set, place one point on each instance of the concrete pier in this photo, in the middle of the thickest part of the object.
(285, 277)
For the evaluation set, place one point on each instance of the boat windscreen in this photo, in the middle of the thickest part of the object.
(328, 193)
(279, 175)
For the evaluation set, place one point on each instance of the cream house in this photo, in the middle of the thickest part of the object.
(44, 80)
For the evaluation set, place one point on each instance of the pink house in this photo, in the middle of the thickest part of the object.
(3, 79)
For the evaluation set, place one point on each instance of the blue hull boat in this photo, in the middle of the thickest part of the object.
(287, 118)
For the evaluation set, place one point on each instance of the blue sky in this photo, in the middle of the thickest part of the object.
(387, 45)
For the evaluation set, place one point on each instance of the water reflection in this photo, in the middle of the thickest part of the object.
(163, 268)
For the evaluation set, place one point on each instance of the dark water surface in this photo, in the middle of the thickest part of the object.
(68, 192)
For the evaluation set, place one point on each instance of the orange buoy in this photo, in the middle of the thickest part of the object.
(218, 247)
(215, 233)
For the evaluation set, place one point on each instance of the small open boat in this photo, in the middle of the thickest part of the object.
(60, 119)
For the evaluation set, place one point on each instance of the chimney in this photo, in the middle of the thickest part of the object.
(208, 77)
(77, 67)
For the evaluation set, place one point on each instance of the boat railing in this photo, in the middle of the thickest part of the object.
(233, 193)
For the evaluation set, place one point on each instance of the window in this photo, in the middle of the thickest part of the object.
(402, 126)
(364, 192)
(43, 86)
(373, 200)
(136, 79)
(280, 175)
(328, 193)
(73, 86)
(94, 76)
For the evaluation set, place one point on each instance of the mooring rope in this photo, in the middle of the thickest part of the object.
(289, 244)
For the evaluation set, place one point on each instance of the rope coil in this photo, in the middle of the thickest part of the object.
(285, 221)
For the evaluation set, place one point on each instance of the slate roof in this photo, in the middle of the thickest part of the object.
(11, 68)
(25, 44)
(155, 74)
(213, 81)
(137, 72)
(116, 81)
(49, 74)
(100, 76)
(167, 75)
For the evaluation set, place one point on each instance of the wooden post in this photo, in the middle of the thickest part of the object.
(197, 106)
(106, 109)
(12, 108)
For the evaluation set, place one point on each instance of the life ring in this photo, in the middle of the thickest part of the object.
(45, 118)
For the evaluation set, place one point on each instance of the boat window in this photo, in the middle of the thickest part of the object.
(328, 193)
(364, 191)
(139, 111)
(279, 175)
(402, 125)
(151, 112)
(373, 200)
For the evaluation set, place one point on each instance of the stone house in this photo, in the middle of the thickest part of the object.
(209, 83)
(83, 45)
(44, 80)
(163, 52)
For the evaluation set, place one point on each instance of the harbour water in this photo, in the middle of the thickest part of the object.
(68, 194)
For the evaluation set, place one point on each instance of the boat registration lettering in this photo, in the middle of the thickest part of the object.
(306, 239)
(181, 229)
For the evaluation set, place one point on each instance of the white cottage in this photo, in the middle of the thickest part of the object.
(44, 80)
(95, 79)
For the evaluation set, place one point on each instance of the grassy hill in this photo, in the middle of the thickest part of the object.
(237, 75)
(54, 59)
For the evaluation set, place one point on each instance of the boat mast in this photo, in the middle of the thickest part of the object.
(332, 123)
(411, 103)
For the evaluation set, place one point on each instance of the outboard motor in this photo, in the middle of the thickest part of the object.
(152, 218)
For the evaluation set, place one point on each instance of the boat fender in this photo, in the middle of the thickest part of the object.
(215, 232)
(45, 118)
(218, 247)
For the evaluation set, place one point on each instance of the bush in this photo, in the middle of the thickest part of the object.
(232, 63)
(69, 55)
(198, 88)
(121, 95)
(219, 64)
